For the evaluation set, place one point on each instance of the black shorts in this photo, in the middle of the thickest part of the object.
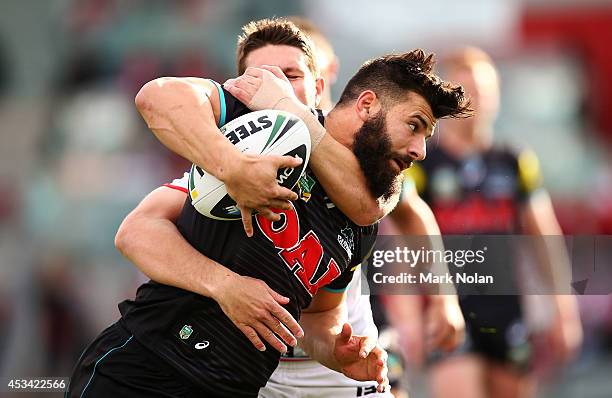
(116, 365)
(496, 329)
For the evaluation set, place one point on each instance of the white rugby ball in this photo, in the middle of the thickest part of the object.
(267, 132)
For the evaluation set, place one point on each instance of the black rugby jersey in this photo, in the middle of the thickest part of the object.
(314, 245)
(481, 194)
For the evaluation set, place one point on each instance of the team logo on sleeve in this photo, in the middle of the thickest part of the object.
(346, 241)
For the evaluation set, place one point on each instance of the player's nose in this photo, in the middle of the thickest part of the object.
(417, 149)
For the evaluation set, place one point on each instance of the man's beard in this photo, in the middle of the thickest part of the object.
(372, 147)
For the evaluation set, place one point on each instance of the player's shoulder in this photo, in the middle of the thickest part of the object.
(371, 229)
(231, 107)
(418, 174)
(523, 159)
(318, 201)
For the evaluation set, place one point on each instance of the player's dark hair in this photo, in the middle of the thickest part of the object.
(392, 75)
(275, 31)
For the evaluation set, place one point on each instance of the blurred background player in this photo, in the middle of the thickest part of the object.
(476, 187)
(414, 324)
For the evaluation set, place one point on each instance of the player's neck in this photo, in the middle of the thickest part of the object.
(326, 103)
(339, 125)
(467, 142)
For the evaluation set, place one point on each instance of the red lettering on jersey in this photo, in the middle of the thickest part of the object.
(304, 260)
(303, 257)
(332, 272)
(477, 215)
(285, 235)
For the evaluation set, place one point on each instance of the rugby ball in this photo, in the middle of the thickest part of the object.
(267, 132)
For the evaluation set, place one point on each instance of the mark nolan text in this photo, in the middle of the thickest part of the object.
(459, 278)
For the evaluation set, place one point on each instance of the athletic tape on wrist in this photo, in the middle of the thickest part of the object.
(316, 130)
(268, 92)
(266, 95)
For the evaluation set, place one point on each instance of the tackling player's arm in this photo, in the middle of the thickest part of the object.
(539, 219)
(330, 340)
(322, 321)
(339, 172)
(335, 165)
(149, 238)
(183, 113)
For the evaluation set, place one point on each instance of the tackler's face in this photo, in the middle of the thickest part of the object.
(293, 62)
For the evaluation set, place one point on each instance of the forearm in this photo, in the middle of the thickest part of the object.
(404, 311)
(551, 254)
(415, 219)
(166, 257)
(406, 314)
(338, 171)
(181, 114)
(320, 332)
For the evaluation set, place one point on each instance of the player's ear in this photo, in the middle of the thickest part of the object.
(367, 105)
(319, 87)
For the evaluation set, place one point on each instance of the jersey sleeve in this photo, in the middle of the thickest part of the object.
(180, 184)
(414, 178)
(340, 283)
(366, 244)
(529, 174)
(230, 107)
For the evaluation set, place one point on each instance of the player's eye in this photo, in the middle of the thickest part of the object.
(293, 77)
(413, 126)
